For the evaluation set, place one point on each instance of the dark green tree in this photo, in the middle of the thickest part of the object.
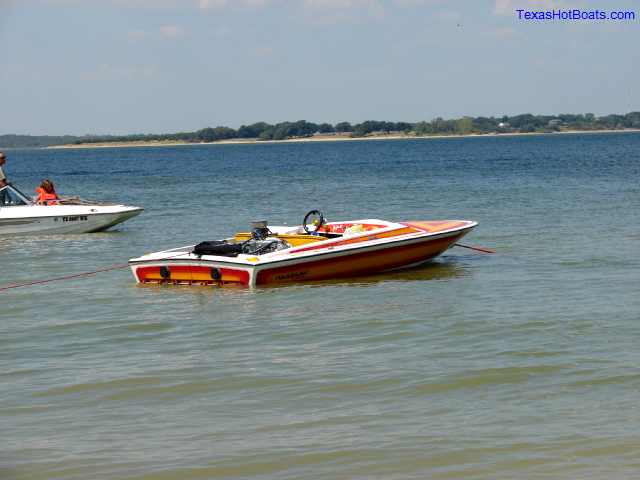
(343, 127)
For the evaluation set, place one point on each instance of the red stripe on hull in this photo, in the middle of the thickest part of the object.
(357, 264)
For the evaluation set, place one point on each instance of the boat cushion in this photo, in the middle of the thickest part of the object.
(218, 247)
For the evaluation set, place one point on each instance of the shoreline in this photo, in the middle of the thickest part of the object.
(327, 138)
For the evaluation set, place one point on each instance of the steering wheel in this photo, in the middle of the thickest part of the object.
(314, 218)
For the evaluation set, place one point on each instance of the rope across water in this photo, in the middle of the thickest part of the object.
(125, 265)
(66, 277)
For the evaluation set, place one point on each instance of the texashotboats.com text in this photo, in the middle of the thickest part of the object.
(574, 15)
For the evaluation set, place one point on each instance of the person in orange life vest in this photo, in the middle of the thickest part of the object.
(47, 193)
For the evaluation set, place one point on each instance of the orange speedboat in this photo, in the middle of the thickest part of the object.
(315, 250)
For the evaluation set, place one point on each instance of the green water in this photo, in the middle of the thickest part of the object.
(522, 364)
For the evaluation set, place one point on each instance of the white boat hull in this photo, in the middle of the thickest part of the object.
(64, 220)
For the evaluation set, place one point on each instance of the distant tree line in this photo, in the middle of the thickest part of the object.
(525, 123)
(36, 141)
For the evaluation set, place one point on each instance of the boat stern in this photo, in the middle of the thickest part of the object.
(181, 267)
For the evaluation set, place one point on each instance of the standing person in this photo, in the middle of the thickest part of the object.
(3, 178)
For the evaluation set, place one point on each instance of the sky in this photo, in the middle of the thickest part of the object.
(157, 66)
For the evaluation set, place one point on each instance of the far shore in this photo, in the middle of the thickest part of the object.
(325, 138)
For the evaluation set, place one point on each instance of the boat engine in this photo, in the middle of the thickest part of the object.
(260, 247)
(259, 230)
(260, 242)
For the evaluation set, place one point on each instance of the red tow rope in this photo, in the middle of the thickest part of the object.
(477, 249)
(119, 267)
(67, 277)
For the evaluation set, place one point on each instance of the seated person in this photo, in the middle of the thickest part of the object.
(47, 193)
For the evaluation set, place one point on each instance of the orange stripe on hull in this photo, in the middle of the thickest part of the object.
(437, 225)
(357, 264)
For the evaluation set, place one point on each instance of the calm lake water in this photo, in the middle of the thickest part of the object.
(522, 364)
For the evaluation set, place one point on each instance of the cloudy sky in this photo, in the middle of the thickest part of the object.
(130, 66)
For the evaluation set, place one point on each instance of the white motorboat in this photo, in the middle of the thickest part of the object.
(19, 215)
(315, 250)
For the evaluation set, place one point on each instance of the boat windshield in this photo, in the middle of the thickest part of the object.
(12, 197)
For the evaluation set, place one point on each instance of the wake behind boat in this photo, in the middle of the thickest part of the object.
(315, 250)
(20, 215)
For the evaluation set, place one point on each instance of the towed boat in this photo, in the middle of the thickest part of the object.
(20, 215)
(315, 250)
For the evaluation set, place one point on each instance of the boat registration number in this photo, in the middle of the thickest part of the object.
(80, 218)
(290, 276)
